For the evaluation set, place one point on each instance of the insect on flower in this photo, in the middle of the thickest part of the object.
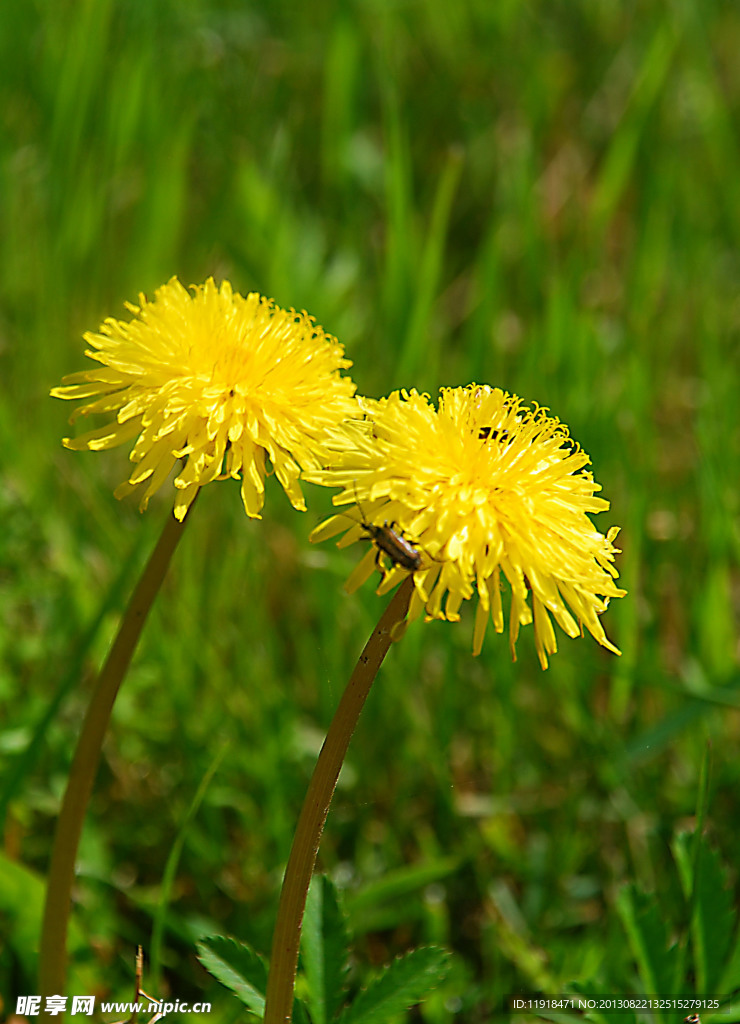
(488, 491)
(488, 433)
(390, 542)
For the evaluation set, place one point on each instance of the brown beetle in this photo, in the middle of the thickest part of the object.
(390, 542)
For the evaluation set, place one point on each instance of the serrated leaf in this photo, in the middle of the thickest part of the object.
(236, 965)
(324, 945)
(403, 984)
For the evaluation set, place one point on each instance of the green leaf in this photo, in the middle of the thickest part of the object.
(648, 938)
(713, 919)
(401, 882)
(396, 896)
(681, 848)
(706, 887)
(594, 988)
(324, 945)
(300, 1015)
(731, 970)
(173, 859)
(403, 984)
(618, 166)
(21, 910)
(237, 967)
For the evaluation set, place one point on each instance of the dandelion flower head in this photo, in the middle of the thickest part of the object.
(482, 487)
(217, 380)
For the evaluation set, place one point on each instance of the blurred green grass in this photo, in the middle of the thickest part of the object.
(543, 197)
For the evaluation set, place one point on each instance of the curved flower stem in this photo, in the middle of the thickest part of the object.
(53, 948)
(286, 940)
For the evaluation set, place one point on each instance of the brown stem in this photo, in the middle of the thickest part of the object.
(53, 949)
(286, 940)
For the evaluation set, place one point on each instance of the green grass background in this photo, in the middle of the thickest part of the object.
(543, 196)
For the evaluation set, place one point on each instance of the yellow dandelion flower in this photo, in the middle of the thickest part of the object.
(219, 381)
(480, 487)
